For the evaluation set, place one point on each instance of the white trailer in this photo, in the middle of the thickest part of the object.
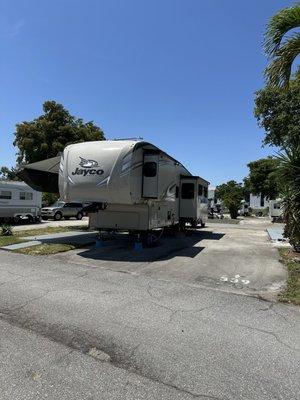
(131, 185)
(18, 200)
(276, 210)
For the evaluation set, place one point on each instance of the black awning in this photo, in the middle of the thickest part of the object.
(42, 175)
(40, 180)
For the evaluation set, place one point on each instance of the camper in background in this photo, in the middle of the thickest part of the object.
(19, 201)
(276, 210)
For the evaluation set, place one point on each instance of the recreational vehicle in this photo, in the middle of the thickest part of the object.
(276, 210)
(18, 200)
(131, 185)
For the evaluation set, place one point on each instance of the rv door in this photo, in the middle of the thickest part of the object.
(150, 175)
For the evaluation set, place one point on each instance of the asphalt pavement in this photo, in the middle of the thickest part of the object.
(73, 331)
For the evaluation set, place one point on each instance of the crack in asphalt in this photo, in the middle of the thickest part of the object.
(83, 342)
(11, 280)
(272, 307)
(274, 334)
(174, 311)
(23, 305)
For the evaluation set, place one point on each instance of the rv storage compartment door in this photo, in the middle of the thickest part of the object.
(150, 176)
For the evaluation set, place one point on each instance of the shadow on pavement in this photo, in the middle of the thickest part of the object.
(121, 248)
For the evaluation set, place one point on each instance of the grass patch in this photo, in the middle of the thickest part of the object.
(291, 293)
(48, 230)
(41, 249)
(16, 236)
(7, 240)
(46, 249)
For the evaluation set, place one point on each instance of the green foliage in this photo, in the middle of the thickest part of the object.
(6, 230)
(263, 177)
(231, 193)
(47, 135)
(8, 174)
(291, 293)
(289, 175)
(49, 198)
(278, 111)
(282, 50)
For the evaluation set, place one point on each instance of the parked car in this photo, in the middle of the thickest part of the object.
(61, 210)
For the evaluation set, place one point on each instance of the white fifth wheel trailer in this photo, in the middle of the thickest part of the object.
(18, 200)
(131, 185)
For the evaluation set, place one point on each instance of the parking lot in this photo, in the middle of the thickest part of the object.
(167, 322)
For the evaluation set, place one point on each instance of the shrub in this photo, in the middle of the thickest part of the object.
(6, 230)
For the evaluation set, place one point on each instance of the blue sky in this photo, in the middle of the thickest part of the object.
(180, 73)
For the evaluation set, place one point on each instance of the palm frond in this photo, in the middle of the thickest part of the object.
(279, 70)
(279, 25)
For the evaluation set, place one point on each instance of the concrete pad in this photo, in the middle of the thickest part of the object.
(76, 237)
(229, 257)
(61, 235)
(276, 234)
(18, 246)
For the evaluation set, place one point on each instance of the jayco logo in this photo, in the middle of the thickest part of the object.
(89, 167)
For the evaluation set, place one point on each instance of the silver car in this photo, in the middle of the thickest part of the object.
(60, 210)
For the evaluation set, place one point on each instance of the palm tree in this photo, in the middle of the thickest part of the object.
(282, 50)
(289, 179)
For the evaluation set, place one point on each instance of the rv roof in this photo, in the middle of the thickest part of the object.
(14, 183)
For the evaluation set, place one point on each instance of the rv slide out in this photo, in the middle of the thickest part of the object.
(130, 185)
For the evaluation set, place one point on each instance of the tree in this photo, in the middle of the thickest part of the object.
(282, 50)
(49, 198)
(289, 178)
(231, 193)
(278, 111)
(47, 135)
(8, 174)
(263, 177)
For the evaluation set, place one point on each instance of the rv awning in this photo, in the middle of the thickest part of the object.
(42, 175)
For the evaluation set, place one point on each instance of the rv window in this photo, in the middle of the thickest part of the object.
(5, 194)
(200, 190)
(26, 196)
(205, 191)
(187, 190)
(150, 169)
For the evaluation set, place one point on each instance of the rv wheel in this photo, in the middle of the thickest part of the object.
(79, 215)
(58, 216)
